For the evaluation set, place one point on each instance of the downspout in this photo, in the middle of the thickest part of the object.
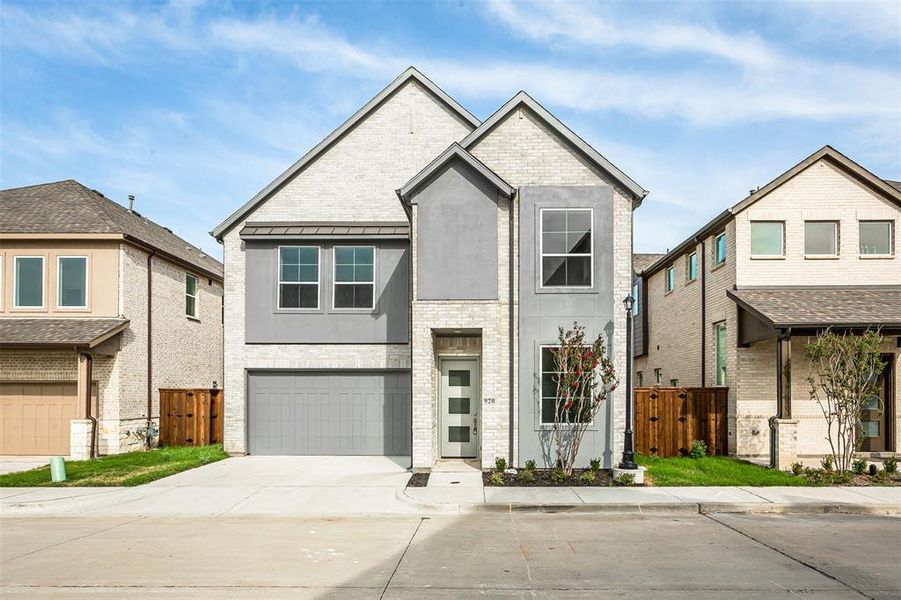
(703, 312)
(408, 209)
(150, 343)
(89, 376)
(511, 335)
(785, 333)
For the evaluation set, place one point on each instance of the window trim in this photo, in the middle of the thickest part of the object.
(891, 239)
(541, 253)
(196, 296)
(87, 280)
(753, 256)
(16, 304)
(716, 353)
(636, 300)
(540, 413)
(716, 262)
(336, 283)
(836, 238)
(688, 277)
(667, 288)
(658, 376)
(279, 282)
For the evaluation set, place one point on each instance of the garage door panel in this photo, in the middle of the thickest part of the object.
(36, 417)
(329, 412)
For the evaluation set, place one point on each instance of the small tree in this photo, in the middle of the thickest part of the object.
(844, 373)
(585, 377)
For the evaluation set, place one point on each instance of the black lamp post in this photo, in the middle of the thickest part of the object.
(628, 461)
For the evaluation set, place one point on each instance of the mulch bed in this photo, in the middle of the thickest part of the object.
(603, 478)
(418, 480)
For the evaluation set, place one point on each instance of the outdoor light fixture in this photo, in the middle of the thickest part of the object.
(628, 461)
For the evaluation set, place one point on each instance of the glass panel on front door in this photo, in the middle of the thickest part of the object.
(460, 403)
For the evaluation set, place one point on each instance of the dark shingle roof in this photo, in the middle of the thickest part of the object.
(326, 230)
(822, 306)
(640, 262)
(894, 184)
(58, 332)
(69, 207)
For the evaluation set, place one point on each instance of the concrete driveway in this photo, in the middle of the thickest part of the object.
(14, 464)
(247, 485)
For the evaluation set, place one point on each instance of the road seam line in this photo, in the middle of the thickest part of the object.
(75, 539)
(402, 555)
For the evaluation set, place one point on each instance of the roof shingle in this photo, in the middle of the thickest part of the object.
(822, 306)
(57, 332)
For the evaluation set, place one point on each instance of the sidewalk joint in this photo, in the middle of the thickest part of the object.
(402, 555)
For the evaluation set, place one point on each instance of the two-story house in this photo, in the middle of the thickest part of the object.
(99, 309)
(735, 303)
(396, 290)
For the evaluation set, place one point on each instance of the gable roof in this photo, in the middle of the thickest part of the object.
(454, 152)
(890, 190)
(410, 74)
(70, 207)
(641, 261)
(589, 153)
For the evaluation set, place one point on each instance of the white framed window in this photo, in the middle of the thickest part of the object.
(719, 249)
(354, 277)
(567, 247)
(691, 267)
(876, 238)
(820, 238)
(28, 282)
(670, 275)
(190, 295)
(72, 281)
(550, 375)
(767, 239)
(298, 277)
(719, 332)
(636, 296)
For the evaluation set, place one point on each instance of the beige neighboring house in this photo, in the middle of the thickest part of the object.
(93, 291)
(735, 304)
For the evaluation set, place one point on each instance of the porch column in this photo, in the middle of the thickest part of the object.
(784, 376)
(784, 443)
(81, 432)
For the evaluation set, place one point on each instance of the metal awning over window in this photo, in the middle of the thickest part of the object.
(326, 231)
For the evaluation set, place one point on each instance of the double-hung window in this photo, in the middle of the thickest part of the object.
(550, 375)
(28, 282)
(691, 267)
(670, 278)
(72, 281)
(298, 277)
(566, 247)
(719, 249)
(876, 238)
(354, 277)
(820, 238)
(767, 238)
(191, 296)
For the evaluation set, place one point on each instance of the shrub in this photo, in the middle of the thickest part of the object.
(797, 468)
(890, 464)
(595, 464)
(588, 477)
(698, 449)
(496, 479)
(526, 476)
(530, 465)
(859, 466)
(624, 479)
(881, 477)
(500, 464)
(827, 463)
(558, 475)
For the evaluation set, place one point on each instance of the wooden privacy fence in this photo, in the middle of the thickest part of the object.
(190, 417)
(668, 420)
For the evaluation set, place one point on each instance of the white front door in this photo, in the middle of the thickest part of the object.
(460, 403)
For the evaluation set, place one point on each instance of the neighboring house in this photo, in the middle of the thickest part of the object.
(735, 303)
(92, 291)
(395, 291)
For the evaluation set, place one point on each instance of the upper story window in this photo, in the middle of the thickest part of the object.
(719, 249)
(72, 282)
(566, 247)
(820, 238)
(550, 375)
(28, 282)
(876, 238)
(691, 267)
(298, 277)
(354, 277)
(191, 296)
(767, 238)
(670, 275)
(636, 297)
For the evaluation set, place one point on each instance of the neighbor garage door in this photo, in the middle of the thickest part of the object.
(35, 417)
(329, 412)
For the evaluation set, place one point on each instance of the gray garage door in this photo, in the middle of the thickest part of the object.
(329, 412)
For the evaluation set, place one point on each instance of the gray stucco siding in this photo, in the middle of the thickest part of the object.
(542, 311)
(387, 322)
(456, 233)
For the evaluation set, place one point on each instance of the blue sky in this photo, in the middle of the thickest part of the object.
(194, 106)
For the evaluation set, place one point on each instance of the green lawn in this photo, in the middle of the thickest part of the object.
(129, 469)
(713, 470)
